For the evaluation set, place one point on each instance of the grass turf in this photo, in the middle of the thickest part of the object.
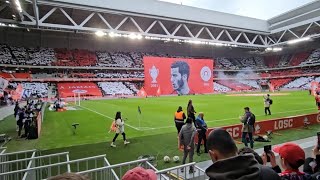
(157, 134)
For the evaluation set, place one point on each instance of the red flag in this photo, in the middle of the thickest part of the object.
(271, 87)
(142, 93)
(17, 94)
(158, 91)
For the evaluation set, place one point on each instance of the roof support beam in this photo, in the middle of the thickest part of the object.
(105, 21)
(151, 26)
(35, 12)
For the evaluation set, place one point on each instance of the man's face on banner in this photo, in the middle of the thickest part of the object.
(176, 79)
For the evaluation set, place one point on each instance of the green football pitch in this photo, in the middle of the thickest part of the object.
(154, 129)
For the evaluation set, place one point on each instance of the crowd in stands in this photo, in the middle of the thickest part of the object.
(78, 57)
(26, 117)
(299, 82)
(116, 88)
(32, 89)
(220, 88)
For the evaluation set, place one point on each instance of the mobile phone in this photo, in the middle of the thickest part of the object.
(318, 135)
(267, 150)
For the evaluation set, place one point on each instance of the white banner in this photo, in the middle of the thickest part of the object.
(3, 83)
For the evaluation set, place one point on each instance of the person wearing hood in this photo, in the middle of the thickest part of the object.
(227, 164)
(186, 138)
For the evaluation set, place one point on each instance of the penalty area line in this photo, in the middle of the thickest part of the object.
(108, 117)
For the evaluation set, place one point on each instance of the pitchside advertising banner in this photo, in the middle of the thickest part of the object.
(83, 89)
(166, 76)
(261, 127)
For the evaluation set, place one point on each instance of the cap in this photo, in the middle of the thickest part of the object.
(139, 173)
(292, 153)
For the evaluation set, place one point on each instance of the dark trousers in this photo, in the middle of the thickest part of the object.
(179, 126)
(202, 136)
(187, 152)
(117, 134)
(20, 129)
(267, 109)
(245, 140)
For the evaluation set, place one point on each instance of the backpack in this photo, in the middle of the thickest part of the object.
(252, 119)
(270, 101)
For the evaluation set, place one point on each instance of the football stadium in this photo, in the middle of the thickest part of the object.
(158, 90)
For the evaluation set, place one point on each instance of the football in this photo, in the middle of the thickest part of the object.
(166, 159)
(175, 159)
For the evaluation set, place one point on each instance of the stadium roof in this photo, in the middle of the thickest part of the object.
(165, 21)
(259, 9)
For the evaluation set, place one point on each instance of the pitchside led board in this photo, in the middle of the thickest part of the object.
(177, 76)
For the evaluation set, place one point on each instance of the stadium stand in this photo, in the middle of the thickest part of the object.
(234, 85)
(220, 88)
(298, 58)
(114, 88)
(272, 61)
(277, 83)
(299, 82)
(314, 58)
(32, 89)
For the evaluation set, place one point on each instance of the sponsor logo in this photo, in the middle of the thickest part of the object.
(205, 73)
(154, 72)
(80, 91)
(234, 131)
(257, 128)
(283, 124)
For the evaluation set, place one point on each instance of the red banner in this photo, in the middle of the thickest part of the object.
(177, 75)
(261, 127)
(17, 94)
(84, 89)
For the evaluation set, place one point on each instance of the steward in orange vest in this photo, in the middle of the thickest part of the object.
(179, 118)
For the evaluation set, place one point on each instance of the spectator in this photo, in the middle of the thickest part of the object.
(247, 150)
(292, 157)
(312, 165)
(227, 164)
(202, 129)
(186, 138)
(190, 110)
(139, 173)
(248, 127)
(179, 118)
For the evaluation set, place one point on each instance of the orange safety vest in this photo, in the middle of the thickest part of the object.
(178, 115)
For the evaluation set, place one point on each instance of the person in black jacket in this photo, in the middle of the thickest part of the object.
(190, 110)
(202, 130)
(227, 164)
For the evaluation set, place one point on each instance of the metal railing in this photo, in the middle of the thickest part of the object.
(182, 172)
(118, 169)
(45, 171)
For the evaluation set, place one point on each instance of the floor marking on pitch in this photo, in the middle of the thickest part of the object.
(262, 115)
(165, 127)
(109, 117)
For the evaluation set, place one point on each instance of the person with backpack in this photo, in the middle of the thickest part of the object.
(119, 123)
(267, 103)
(248, 120)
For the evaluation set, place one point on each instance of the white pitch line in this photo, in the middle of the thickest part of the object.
(109, 117)
(261, 115)
(165, 127)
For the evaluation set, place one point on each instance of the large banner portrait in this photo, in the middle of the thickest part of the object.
(177, 76)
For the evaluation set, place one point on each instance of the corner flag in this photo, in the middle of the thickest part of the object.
(139, 110)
